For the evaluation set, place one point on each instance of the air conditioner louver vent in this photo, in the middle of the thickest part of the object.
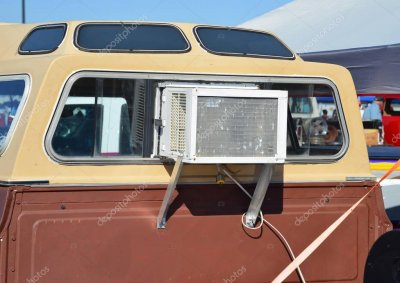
(178, 122)
(139, 111)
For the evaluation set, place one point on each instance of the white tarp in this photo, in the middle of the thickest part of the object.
(321, 25)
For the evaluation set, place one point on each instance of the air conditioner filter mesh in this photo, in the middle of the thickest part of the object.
(243, 127)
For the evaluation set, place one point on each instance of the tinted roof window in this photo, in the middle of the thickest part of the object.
(241, 42)
(43, 39)
(131, 37)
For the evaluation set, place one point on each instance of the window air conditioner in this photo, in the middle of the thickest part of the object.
(223, 125)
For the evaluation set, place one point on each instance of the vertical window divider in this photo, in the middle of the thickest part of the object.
(99, 92)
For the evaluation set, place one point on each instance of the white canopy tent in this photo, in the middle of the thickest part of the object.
(322, 25)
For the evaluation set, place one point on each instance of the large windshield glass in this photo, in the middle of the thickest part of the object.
(12, 95)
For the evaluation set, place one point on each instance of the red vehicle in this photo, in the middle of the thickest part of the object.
(390, 108)
(391, 119)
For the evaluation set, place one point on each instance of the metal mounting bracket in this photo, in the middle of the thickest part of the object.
(259, 195)
(162, 215)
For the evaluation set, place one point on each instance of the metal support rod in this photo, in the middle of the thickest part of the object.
(162, 215)
(23, 12)
(259, 195)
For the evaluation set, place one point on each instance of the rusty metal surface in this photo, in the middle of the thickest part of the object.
(109, 235)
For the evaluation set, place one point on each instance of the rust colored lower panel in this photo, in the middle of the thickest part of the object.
(109, 234)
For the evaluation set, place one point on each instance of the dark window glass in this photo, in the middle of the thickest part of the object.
(74, 135)
(314, 124)
(11, 95)
(43, 39)
(12, 88)
(104, 118)
(131, 37)
(241, 42)
(392, 107)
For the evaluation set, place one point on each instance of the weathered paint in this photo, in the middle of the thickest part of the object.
(60, 228)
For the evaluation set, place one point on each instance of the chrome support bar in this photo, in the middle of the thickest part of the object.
(162, 215)
(259, 195)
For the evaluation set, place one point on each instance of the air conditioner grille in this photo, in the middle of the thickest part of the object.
(139, 111)
(178, 122)
(244, 127)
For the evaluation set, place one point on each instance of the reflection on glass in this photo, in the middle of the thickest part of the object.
(11, 93)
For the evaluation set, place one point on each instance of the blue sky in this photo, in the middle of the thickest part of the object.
(218, 12)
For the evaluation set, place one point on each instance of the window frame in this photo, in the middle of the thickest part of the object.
(110, 74)
(38, 52)
(57, 115)
(293, 57)
(341, 120)
(388, 104)
(76, 35)
(21, 106)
